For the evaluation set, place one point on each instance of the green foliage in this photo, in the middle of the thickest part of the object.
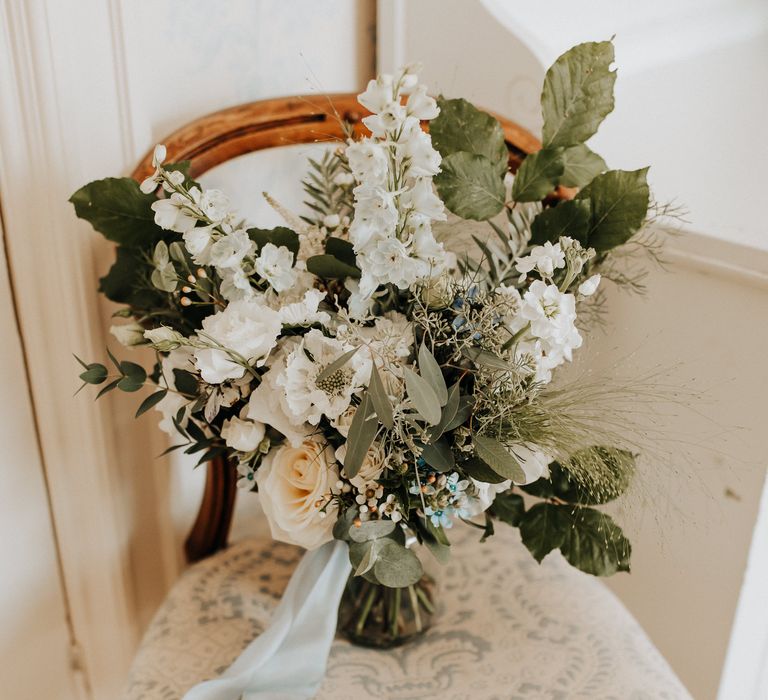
(577, 94)
(151, 401)
(362, 432)
(538, 175)
(618, 207)
(423, 396)
(498, 458)
(278, 236)
(582, 165)
(183, 166)
(380, 399)
(568, 218)
(118, 209)
(470, 186)
(479, 470)
(385, 561)
(341, 250)
(371, 530)
(431, 371)
(325, 195)
(330, 267)
(164, 275)
(438, 455)
(461, 126)
(185, 382)
(508, 507)
(588, 539)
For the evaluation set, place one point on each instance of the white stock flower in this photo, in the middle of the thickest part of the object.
(368, 160)
(162, 335)
(128, 334)
(248, 328)
(294, 483)
(544, 258)
(307, 398)
(242, 435)
(230, 250)
(589, 286)
(173, 214)
(275, 264)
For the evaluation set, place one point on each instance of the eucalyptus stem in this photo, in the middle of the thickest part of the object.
(415, 605)
(366, 610)
(395, 612)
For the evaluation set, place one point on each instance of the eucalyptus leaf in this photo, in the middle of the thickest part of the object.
(577, 94)
(94, 374)
(151, 401)
(538, 175)
(498, 458)
(336, 365)
(449, 412)
(118, 209)
(396, 566)
(463, 412)
(344, 523)
(423, 396)
(438, 455)
(486, 359)
(129, 385)
(279, 236)
(368, 559)
(618, 207)
(582, 165)
(380, 399)
(185, 382)
(371, 530)
(431, 371)
(479, 470)
(341, 250)
(461, 126)
(470, 186)
(362, 432)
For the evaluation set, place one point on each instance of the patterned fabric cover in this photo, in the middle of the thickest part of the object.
(508, 628)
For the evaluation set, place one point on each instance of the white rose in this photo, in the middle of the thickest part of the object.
(242, 435)
(293, 484)
(128, 334)
(247, 327)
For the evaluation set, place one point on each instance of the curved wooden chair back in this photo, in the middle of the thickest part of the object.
(221, 136)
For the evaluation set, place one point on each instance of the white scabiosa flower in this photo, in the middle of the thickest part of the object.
(248, 328)
(275, 264)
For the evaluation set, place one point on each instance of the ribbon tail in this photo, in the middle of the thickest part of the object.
(287, 661)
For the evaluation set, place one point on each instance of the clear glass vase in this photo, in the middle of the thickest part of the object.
(373, 615)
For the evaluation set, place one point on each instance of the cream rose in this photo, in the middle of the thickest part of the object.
(292, 482)
(371, 468)
(242, 435)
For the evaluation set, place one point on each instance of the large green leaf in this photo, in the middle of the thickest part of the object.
(595, 544)
(396, 566)
(119, 210)
(508, 507)
(577, 94)
(569, 218)
(544, 528)
(538, 175)
(479, 470)
(619, 204)
(470, 186)
(582, 165)
(379, 398)
(121, 282)
(438, 455)
(329, 267)
(498, 458)
(342, 250)
(279, 236)
(423, 396)
(461, 126)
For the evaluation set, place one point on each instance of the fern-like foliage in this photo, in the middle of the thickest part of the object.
(328, 187)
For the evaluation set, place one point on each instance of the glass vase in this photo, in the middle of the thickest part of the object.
(373, 615)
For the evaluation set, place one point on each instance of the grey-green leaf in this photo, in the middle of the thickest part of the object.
(438, 455)
(582, 165)
(470, 186)
(362, 432)
(461, 126)
(151, 401)
(477, 469)
(486, 359)
(371, 530)
(431, 371)
(508, 507)
(380, 399)
(496, 456)
(423, 397)
(569, 218)
(336, 365)
(538, 175)
(577, 94)
(619, 204)
(396, 566)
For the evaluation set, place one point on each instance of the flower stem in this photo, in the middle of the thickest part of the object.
(366, 610)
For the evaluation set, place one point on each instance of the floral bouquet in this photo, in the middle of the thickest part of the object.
(382, 368)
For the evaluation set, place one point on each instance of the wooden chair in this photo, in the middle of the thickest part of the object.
(221, 136)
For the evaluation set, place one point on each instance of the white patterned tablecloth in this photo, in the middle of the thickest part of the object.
(508, 629)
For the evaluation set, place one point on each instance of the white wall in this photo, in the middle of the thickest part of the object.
(690, 99)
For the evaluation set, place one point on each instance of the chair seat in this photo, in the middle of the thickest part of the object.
(507, 628)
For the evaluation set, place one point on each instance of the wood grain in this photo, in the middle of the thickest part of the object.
(229, 133)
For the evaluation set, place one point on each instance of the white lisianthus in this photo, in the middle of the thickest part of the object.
(589, 286)
(230, 250)
(214, 204)
(242, 435)
(248, 328)
(275, 264)
(128, 334)
(149, 185)
(544, 258)
(294, 483)
(306, 398)
(173, 214)
(163, 338)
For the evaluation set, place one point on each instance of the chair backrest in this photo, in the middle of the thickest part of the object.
(221, 136)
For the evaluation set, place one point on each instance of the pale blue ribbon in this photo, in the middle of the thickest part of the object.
(287, 661)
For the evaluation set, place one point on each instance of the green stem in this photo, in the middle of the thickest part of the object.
(365, 611)
(415, 606)
(425, 601)
(395, 612)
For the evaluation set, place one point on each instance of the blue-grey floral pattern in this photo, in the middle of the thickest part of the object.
(508, 629)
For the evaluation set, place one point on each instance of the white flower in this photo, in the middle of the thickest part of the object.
(275, 264)
(343, 423)
(294, 483)
(421, 105)
(306, 398)
(214, 204)
(344, 179)
(544, 258)
(242, 435)
(483, 496)
(588, 287)
(248, 327)
(389, 261)
(371, 468)
(389, 121)
(421, 199)
(305, 312)
(198, 241)
(163, 338)
(172, 402)
(534, 462)
(149, 185)
(378, 94)
(128, 334)
(359, 305)
(368, 160)
(173, 214)
(247, 476)
(230, 250)
(235, 284)
(423, 160)
(331, 221)
(377, 205)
